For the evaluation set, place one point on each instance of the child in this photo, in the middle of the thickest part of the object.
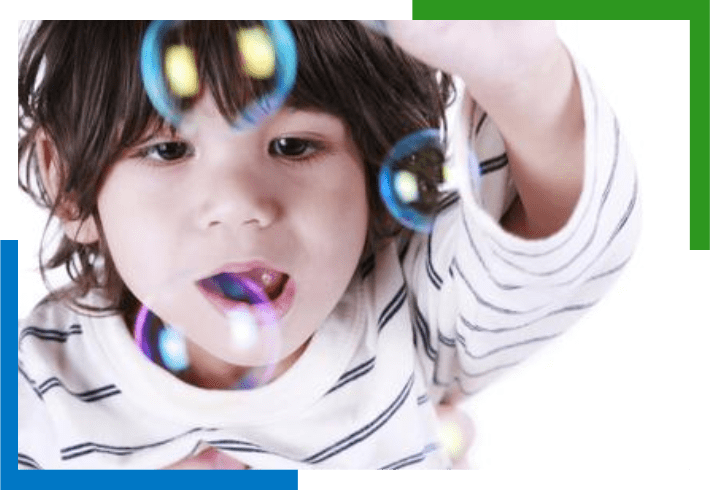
(376, 325)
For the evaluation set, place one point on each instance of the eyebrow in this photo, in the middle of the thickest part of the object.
(161, 129)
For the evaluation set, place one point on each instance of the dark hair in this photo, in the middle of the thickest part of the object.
(79, 82)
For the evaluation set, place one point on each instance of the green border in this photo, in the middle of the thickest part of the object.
(699, 128)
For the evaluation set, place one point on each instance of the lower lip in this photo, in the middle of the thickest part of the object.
(280, 306)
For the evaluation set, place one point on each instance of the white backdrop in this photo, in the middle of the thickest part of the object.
(624, 389)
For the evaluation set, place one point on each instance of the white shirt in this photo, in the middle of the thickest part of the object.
(458, 307)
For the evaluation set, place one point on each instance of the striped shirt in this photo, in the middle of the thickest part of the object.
(453, 309)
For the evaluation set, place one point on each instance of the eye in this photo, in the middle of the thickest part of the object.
(167, 151)
(294, 148)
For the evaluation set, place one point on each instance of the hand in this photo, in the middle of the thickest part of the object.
(209, 459)
(482, 52)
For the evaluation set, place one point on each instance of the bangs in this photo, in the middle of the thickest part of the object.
(219, 70)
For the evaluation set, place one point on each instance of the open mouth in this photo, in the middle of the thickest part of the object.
(257, 287)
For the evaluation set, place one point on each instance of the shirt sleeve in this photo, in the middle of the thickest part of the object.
(483, 299)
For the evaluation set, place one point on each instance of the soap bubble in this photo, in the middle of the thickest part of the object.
(417, 178)
(412, 179)
(251, 320)
(170, 67)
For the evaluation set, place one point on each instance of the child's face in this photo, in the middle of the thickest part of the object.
(290, 194)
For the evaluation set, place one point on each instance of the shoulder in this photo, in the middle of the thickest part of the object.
(52, 341)
(47, 318)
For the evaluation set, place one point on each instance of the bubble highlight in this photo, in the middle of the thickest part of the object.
(258, 52)
(173, 349)
(452, 440)
(181, 70)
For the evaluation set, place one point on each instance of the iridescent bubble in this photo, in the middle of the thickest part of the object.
(160, 342)
(170, 67)
(416, 177)
(412, 179)
(250, 319)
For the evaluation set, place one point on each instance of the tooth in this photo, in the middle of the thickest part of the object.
(266, 278)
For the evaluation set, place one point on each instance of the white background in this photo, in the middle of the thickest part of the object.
(625, 391)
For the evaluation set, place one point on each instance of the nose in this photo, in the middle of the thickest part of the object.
(236, 194)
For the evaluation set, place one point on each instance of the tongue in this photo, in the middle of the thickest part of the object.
(234, 286)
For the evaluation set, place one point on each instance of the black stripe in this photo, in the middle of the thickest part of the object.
(25, 460)
(472, 243)
(86, 396)
(447, 201)
(49, 334)
(433, 276)
(238, 449)
(493, 164)
(422, 326)
(92, 447)
(392, 307)
(421, 400)
(238, 446)
(353, 374)
(480, 123)
(447, 341)
(462, 340)
(566, 309)
(609, 182)
(365, 431)
(408, 461)
(478, 297)
(624, 219)
(611, 271)
(487, 371)
(29, 380)
(233, 442)
(413, 459)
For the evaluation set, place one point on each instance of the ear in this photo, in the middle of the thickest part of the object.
(82, 231)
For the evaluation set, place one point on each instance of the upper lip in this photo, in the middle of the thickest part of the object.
(239, 267)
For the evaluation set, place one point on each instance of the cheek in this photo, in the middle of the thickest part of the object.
(345, 219)
(136, 235)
